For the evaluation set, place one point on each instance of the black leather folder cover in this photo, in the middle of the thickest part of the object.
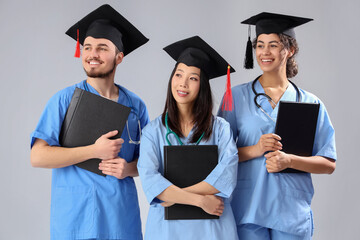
(296, 125)
(88, 117)
(185, 166)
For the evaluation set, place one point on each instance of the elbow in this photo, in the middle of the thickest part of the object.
(35, 159)
(331, 167)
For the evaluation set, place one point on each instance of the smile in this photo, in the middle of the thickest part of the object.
(182, 94)
(267, 60)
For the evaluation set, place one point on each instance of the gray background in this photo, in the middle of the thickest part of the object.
(36, 60)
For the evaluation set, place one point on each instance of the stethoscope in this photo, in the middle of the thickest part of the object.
(169, 131)
(133, 110)
(298, 96)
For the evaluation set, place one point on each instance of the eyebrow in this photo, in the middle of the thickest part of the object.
(99, 45)
(274, 41)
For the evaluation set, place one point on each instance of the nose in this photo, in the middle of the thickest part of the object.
(184, 83)
(94, 53)
(266, 50)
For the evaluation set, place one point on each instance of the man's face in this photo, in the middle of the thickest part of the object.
(99, 57)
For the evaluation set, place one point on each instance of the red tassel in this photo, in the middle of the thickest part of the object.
(77, 51)
(228, 99)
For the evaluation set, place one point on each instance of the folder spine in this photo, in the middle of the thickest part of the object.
(75, 100)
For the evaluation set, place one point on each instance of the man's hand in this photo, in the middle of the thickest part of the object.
(106, 148)
(116, 167)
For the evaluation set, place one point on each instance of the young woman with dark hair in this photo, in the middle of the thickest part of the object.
(267, 202)
(201, 110)
(188, 114)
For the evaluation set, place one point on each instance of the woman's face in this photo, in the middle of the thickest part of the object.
(185, 84)
(270, 53)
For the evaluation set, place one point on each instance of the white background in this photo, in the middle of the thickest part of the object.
(36, 60)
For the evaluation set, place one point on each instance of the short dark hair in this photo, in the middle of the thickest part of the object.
(287, 43)
(202, 110)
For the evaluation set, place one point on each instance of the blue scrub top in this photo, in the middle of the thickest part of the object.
(279, 201)
(223, 178)
(83, 204)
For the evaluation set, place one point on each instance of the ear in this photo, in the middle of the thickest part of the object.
(119, 57)
(291, 52)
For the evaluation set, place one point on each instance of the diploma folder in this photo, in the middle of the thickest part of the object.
(185, 166)
(296, 125)
(88, 117)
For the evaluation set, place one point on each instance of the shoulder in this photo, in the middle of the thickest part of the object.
(242, 87)
(154, 125)
(309, 97)
(134, 98)
(63, 96)
(220, 123)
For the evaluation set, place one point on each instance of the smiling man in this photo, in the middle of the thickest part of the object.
(85, 205)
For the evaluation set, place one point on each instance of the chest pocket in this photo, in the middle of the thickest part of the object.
(250, 129)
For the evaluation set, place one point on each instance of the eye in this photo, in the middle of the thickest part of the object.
(259, 46)
(194, 78)
(103, 49)
(274, 45)
(86, 48)
(178, 75)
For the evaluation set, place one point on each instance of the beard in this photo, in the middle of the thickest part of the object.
(101, 74)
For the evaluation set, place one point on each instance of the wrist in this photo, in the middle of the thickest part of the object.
(199, 200)
(290, 160)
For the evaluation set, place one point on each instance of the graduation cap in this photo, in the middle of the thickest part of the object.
(268, 23)
(106, 22)
(195, 52)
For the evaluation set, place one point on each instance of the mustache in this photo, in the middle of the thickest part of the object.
(94, 59)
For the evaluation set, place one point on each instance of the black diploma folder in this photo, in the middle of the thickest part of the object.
(88, 117)
(296, 125)
(185, 166)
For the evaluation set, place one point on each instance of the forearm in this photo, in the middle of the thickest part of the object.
(202, 188)
(45, 156)
(175, 194)
(313, 164)
(248, 153)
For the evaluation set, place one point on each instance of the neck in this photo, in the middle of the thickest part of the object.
(104, 86)
(185, 113)
(274, 85)
(274, 80)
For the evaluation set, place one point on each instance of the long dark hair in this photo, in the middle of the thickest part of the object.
(287, 43)
(202, 110)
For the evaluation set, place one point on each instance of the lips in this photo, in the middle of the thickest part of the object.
(94, 62)
(182, 93)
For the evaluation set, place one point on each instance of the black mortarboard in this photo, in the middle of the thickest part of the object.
(106, 22)
(196, 52)
(271, 23)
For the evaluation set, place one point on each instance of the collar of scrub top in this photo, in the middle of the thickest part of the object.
(169, 131)
(132, 110)
(298, 96)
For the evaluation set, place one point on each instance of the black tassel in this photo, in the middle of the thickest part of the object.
(249, 61)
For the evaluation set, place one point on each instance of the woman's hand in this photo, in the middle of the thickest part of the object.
(277, 161)
(212, 204)
(167, 204)
(268, 143)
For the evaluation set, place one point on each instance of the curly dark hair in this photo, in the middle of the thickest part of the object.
(287, 43)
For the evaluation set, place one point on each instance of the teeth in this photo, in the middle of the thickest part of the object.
(182, 92)
(93, 63)
(266, 60)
